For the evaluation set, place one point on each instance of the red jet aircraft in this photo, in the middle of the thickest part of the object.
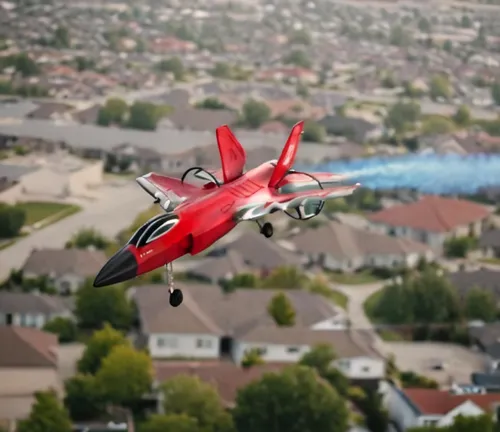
(198, 216)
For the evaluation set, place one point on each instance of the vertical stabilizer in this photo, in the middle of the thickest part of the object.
(232, 154)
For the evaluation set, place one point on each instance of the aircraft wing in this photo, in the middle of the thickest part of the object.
(232, 154)
(167, 191)
(290, 201)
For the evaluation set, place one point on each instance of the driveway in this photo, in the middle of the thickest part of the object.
(111, 214)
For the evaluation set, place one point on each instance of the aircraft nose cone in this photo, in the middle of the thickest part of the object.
(121, 267)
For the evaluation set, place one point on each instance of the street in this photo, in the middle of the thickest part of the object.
(114, 212)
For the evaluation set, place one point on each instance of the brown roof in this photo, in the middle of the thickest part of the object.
(202, 119)
(226, 377)
(216, 268)
(27, 347)
(432, 213)
(441, 402)
(261, 253)
(341, 340)
(206, 309)
(17, 302)
(345, 242)
(84, 263)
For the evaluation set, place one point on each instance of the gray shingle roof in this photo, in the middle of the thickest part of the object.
(14, 172)
(25, 303)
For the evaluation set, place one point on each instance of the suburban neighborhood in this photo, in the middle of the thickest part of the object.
(380, 314)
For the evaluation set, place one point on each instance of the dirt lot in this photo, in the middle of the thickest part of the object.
(420, 357)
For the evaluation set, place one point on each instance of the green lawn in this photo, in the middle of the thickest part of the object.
(494, 261)
(360, 278)
(339, 298)
(38, 211)
(390, 336)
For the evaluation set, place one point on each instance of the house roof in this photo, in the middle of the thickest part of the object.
(483, 278)
(490, 238)
(216, 268)
(260, 253)
(227, 377)
(14, 172)
(488, 337)
(23, 303)
(202, 119)
(345, 242)
(242, 314)
(441, 402)
(27, 347)
(432, 213)
(84, 263)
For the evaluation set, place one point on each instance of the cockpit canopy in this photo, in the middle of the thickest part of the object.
(153, 229)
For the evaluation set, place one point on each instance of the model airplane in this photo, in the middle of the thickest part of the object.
(197, 216)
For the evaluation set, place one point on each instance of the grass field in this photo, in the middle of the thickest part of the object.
(371, 304)
(38, 211)
(339, 298)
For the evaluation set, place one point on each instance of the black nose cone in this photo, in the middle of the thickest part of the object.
(121, 267)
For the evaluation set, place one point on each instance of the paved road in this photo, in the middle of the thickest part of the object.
(111, 214)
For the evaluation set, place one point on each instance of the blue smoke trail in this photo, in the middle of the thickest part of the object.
(426, 173)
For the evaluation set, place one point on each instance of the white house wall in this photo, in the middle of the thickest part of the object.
(270, 353)
(186, 345)
(362, 367)
(466, 409)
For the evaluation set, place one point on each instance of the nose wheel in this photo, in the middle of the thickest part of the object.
(266, 229)
(176, 295)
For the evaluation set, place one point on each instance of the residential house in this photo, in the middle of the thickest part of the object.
(432, 220)
(466, 280)
(51, 111)
(213, 324)
(414, 407)
(487, 338)
(489, 243)
(138, 159)
(10, 175)
(67, 269)
(356, 129)
(88, 115)
(197, 119)
(259, 253)
(441, 144)
(338, 247)
(30, 309)
(219, 268)
(28, 363)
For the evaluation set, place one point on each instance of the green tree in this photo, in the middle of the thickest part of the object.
(62, 38)
(25, 65)
(47, 415)
(296, 401)
(173, 65)
(314, 132)
(84, 63)
(170, 423)
(462, 116)
(94, 307)
(222, 70)
(302, 90)
(64, 328)
(211, 103)
(399, 36)
(113, 112)
(448, 46)
(480, 304)
(372, 407)
(251, 358)
(285, 278)
(321, 358)
(483, 423)
(466, 22)
(424, 25)
(86, 238)
(299, 37)
(440, 87)
(98, 347)
(402, 116)
(83, 399)
(125, 375)
(298, 58)
(188, 394)
(413, 380)
(437, 125)
(12, 219)
(281, 310)
(255, 113)
(495, 93)
(459, 247)
(143, 116)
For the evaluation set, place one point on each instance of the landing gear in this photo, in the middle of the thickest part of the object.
(176, 296)
(266, 229)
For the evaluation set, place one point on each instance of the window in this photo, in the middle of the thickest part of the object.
(203, 343)
(161, 230)
(166, 342)
(154, 229)
(365, 369)
(293, 349)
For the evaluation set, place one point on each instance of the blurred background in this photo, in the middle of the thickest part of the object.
(380, 314)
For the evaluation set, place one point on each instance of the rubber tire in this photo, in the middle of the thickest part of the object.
(267, 230)
(176, 298)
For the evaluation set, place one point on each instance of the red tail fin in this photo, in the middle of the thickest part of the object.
(232, 154)
(288, 154)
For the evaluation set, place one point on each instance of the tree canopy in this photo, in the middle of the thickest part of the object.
(86, 238)
(12, 219)
(255, 113)
(64, 328)
(281, 310)
(170, 423)
(98, 347)
(47, 415)
(83, 399)
(314, 132)
(440, 87)
(294, 400)
(402, 116)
